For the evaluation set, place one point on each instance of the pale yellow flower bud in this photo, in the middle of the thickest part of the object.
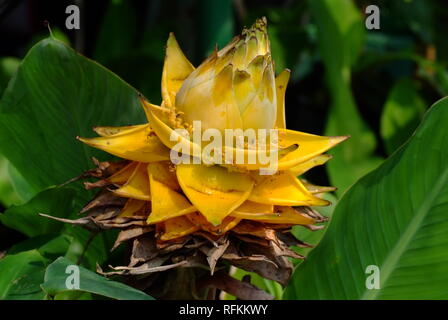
(235, 87)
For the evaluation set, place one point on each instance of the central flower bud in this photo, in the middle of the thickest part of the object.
(235, 87)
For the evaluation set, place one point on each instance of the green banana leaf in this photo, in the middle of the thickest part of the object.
(388, 238)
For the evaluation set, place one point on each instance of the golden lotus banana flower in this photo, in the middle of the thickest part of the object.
(233, 206)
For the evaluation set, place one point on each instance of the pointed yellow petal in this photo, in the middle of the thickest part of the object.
(131, 207)
(281, 81)
(285, 190)
(253, 207)
(317, 189)
(243, 89)
(261, 112)
(139, 144)
(253, 211)
(137, 186)
(224, 102)
(286, 215)
(177, 227)
(110, 131)
(124, 174)
(163, 172)
(227, 224)
(175, 70)
(166, 203)
(214, 191)
(307, 165)
(310, 146)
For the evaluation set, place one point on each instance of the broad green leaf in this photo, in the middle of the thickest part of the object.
(8, 66)
(50, 246)
(402, 113)
(8, 196)
(55, 96)
(394, 218)
(340, 37)
(21, 275)
(25, 218)
(56, 276)
(23, 189)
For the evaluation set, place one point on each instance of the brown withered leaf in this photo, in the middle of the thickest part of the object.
(252, 239)
(153, 265)
(214, 253)
(277, 268)
(121, 223)
(311, 213)
(283, 250)
(104, 198)
(172, 245)
(131, 233)
(102, 170)
(290, 240)
(143, 249)
(86, 222)
(105, 169)
(255, 229)
(232, 254)
(213, 239)
(104, 213)
(242, 290)
(97, 184)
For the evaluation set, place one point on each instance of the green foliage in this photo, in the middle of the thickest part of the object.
(340, 36)
(218, 24)
(49, 102)
(57, 202)
(56, 277)
(394, 218)
(402, 113)
(22, 274)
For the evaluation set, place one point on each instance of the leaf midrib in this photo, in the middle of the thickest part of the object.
(394, 256)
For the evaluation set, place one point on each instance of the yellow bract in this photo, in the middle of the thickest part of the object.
(110, 131)
(175, 70)
(137, 187)
(281, 81)
(131, 207)
(214, 191)
(137, 144)
(227, 223)
(124, 174)
(310, 146)
(286, 215)
(166, 203)
(177, 227)
(307, 165)
(285, 190)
